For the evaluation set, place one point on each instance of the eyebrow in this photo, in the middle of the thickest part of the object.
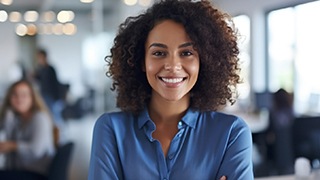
(165, 46)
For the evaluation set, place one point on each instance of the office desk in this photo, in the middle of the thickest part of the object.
(315, 175)
(286, 177)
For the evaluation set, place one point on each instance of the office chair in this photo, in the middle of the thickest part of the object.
(306, 137)
(58, 169)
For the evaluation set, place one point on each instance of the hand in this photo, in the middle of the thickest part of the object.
(7, 146)
(223, 178)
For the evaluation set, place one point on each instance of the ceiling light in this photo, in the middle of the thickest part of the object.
(3, 16)
(6, 2)
(65, 16)
(57, 29)
(31, 29)
(14, 16)
(48, 16)
(69, 29)
(86, 1)
(130, 2)
(31, 16)
(21, 29)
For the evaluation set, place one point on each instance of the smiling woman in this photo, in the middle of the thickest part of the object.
(173, 66)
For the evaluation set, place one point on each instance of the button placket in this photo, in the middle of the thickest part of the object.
(175, 147)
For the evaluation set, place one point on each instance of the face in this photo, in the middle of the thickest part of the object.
(171, 62)
(41, 59)
(21, 98)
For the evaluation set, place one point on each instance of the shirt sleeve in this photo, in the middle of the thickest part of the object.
(104, 162)
(237, 161)
(40, 140)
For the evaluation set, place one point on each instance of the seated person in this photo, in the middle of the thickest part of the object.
(29, 143)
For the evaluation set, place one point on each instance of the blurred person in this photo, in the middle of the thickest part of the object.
(29, 130)
(279, 133)
(52, 91)
(173, 67)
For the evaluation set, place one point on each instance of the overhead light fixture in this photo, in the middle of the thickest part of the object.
(31, 16)
(48, 16)
(15, 16)
(3, 16)
(21, 29)
(31, 29)
(6, 2)
(69, 29)
(130, 2)
(65, 16)
(57, 29)
(86, 1)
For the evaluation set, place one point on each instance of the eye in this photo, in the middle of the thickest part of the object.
(158, 53)
(186, 53)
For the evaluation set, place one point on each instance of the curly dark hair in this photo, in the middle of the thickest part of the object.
(214, 37)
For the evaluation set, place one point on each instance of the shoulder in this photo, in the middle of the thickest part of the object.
(41, 117)
(223, 117)
(111, 117)
(224, 120)
(114, 119)
(113, 125)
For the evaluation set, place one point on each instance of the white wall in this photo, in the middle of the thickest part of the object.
(8, 56)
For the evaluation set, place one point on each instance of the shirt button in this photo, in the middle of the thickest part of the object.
(180, 123)
(171, 157)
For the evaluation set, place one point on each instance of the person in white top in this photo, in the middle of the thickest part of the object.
(28, 127)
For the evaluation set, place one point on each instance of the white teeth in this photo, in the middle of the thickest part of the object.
(172, 80)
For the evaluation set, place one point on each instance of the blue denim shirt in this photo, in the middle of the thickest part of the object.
(207, 146)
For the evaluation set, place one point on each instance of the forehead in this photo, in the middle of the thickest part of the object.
(168, 31)
(21, 87)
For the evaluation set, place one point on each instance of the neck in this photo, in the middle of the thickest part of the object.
(163, 111)
(25, 116)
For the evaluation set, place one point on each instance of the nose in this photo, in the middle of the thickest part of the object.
(173, 64)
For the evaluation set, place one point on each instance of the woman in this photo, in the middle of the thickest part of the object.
(173, 67)
(29, 141)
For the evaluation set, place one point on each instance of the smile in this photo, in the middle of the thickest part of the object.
(172, 80)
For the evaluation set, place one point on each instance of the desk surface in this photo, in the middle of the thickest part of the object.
(315, 175)
(286, 177)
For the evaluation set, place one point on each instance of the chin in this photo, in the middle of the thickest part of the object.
(174, 98)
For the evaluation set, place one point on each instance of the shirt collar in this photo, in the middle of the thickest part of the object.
(143, 117)
(190, 118)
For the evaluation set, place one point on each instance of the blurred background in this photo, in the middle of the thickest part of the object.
(279, 45)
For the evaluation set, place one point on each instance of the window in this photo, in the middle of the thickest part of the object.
(293, 54)
(242, 23)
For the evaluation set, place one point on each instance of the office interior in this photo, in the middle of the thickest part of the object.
(279, 50)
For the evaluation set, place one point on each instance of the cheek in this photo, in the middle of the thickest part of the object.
(151, 68)
(28, 102)
(13, 102)
(194, 69)
(22, 104)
